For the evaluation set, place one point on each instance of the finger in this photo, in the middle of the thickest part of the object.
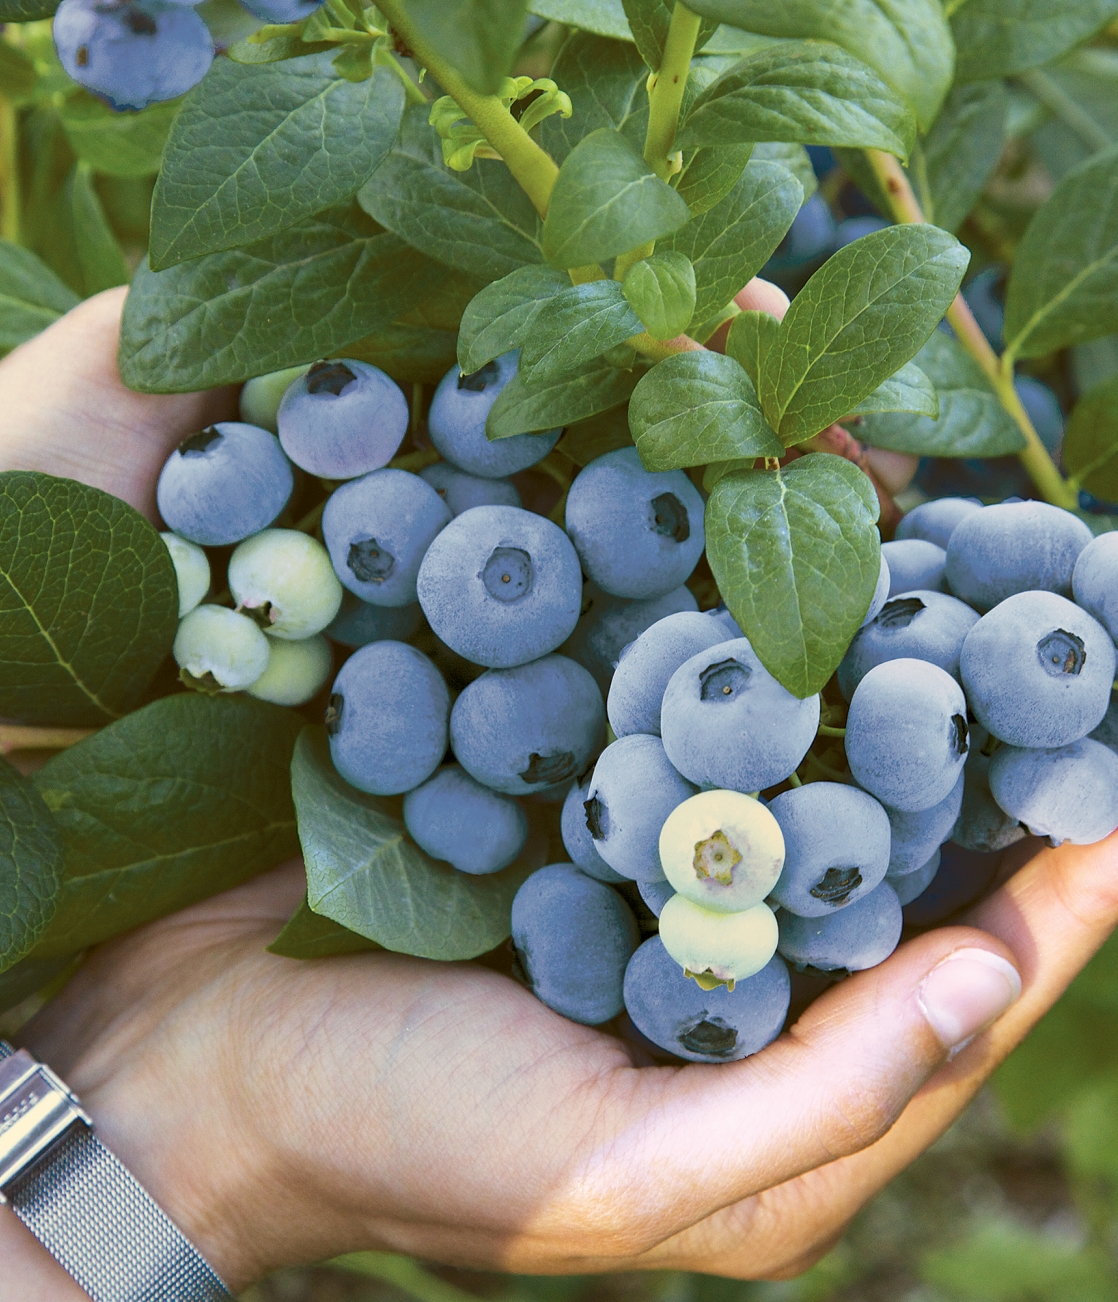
(65, 410)
(894, 470)
(763, 296)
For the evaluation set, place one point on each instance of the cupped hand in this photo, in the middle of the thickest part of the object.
(285, 1111)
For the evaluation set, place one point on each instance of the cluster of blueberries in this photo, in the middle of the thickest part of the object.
(977, 695)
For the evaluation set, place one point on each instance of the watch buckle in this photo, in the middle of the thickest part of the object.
(36, 1111)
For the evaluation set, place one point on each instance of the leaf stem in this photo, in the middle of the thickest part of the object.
(18, 737)
(1035, 456)
(9, 171)
(665, 90)
(825, 730)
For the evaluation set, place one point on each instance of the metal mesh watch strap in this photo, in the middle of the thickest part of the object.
(103, 1227)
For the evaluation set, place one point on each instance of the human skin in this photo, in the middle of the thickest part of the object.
(285, 1112)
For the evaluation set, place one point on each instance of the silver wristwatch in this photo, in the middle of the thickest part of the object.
(82, 1204)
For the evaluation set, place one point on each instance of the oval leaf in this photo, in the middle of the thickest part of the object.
(307, 935)
(499, 318)
(524, 408)
(606, 83)
(118, 144)
(479, 38)
(31, 296)
(908, 390)
(30, 866)
(1091, 442)
(661, 291)
(996, 38)
(581, 323)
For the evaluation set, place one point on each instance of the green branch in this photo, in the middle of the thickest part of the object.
(9, 171)
(665, 91)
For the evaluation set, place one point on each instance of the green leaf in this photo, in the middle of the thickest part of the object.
(27, 977)
(586, 440)
(178, 801)
(31, 296)
(581, 322)
(859, 318)
(1063, 288)
(661, 291)
(30, 866)
(99, 257)
(365, 874)
(17, 74)
(708, 175)
(909, 390)
(962, 150)
(410, 354)
(275, 42)
(649, 21)
(479, 38)
(972, 421)
(907, 42)
(606, 200)
(256, 149)
(801, 91)
(606, 82)
(290, 299)
(751, 333)
(695, 408)
(499, 318)
(796, 556)
(1091, 442)
(88, 601)
(26, 11)
(523, 408)
(731, 242)
(479, 221)
(308, 935)
(603, 17)
(113, 143)
(996, 38)
(793, 157)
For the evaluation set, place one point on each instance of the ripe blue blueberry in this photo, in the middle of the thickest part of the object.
(1043, 408)
(458, 820)
(1037, 670)
(377, 530)
(223, 484)
(358, 622)
(963, 877)
(456, 423)
(220, 650)
(850, 940)
(727, 722)
(132, 54)
(501, 586)
(1095, 581)
(985, 296)
(297, 671)
(261, 396)
(387, 718)
(854, 228)
(920, 625)
(192, 571)
(284, 580)
(528, 728)
(646, 665)
(915, 837)
(638, 533)
(632, 792)
(982, 824)
(714, 947)
(577, 839)
(574, 937)
(912, 884)
(722, 849)
(656, 895)
(914, 564)
(810, 237)
(1107, 731)
(718, 1025)
(880, 592)
(461, 491)
(906, 734)
(936, 521)
(342, 419)
(836, 847)
(1014, 547)
(1068, 793)
(282, 11)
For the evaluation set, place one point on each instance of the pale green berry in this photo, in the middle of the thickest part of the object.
(285, 581)
(296, 671)
(718, 948)
(192, 569)
(261, 396)
(722, 849)
(221, 649)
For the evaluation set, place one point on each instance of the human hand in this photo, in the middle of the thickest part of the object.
(285, 1111)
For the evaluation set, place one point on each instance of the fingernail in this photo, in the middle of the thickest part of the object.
(967, 991)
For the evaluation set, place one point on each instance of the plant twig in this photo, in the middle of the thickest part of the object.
(665, 90)
(18, 737)
(9, 171)
(825, 730)
(1053, 97)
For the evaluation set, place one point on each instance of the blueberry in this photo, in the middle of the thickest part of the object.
(284, 580)
(377, 530)
(1067, 793)
(728, 622)
(914, 564)
(854, 228)
(132, 54)
(1095, 581)
(727, 722)
(358, 622)
(574, 937)
(456, 423)
(1038, 670)
(906, 734)
(1043, 408)
(220, 649)
(715, 947)
(656, 895)
(982, 824)
(282, 11)
(700, 1025)
(456, 819)
(261, 396)
(722, 849)
(918, 625)
(501, 586)
(577, 839)
(936, 521)
(962, 878)
(646, 665)
(461, 491)
(850, 940)
(880, 592)
(638, 533)
(985, 296)
(528, 728)
(297, 671)
(192, 571)
(223, 484)
(912, 884)
(608, 624)
(1014, 547)
(1107, 731)
(387, 718)
(914, 837)
(342, 419)
(810, 237)
(632, 792)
